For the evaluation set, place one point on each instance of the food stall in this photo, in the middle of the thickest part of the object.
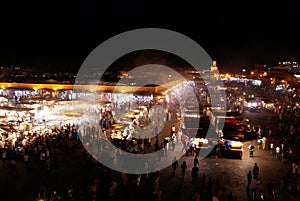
(230, 149)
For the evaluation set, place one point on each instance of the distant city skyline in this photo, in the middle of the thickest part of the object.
(128, 62)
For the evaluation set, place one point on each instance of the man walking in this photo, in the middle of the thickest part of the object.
(249, 178)
(174, 166)
(255, 170)
(196, 161)
(195, 171)
(184, 145)
(183, 169)
(277, 153)
(4, 159)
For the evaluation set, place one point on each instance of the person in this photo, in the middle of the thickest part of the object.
(183, 169)
(195, 171)
(259, 132)
(209, 187)
(173, 129)
(54, 196)
(259, 143)
(193, 147)
(251, 150)
(157, 137)
(112, 189)
(196, 161)
(271, 190)
(174, 165)
(26, 159)
(42, 159)
(215, 198)
(42, 192)
(294, 168)
(4, 159)
(248, 191)
(264, 143)
(255, 170)
(93, 190)
(179, 135)
(253, 188)
(156, 146)
(173, 141)
(230, 197)
(249, 178)
(161, 152)
(184, 145)
(124, 179)
(196, 196)
(173, 145)
(157, 194)
(259, 190)
(13, 164)
(277, 153)
(166, 146)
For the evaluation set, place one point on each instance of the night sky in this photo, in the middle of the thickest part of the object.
(59, 35)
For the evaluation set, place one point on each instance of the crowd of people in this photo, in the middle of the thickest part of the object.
(204, 187)
(38, 149)
(255, 189)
